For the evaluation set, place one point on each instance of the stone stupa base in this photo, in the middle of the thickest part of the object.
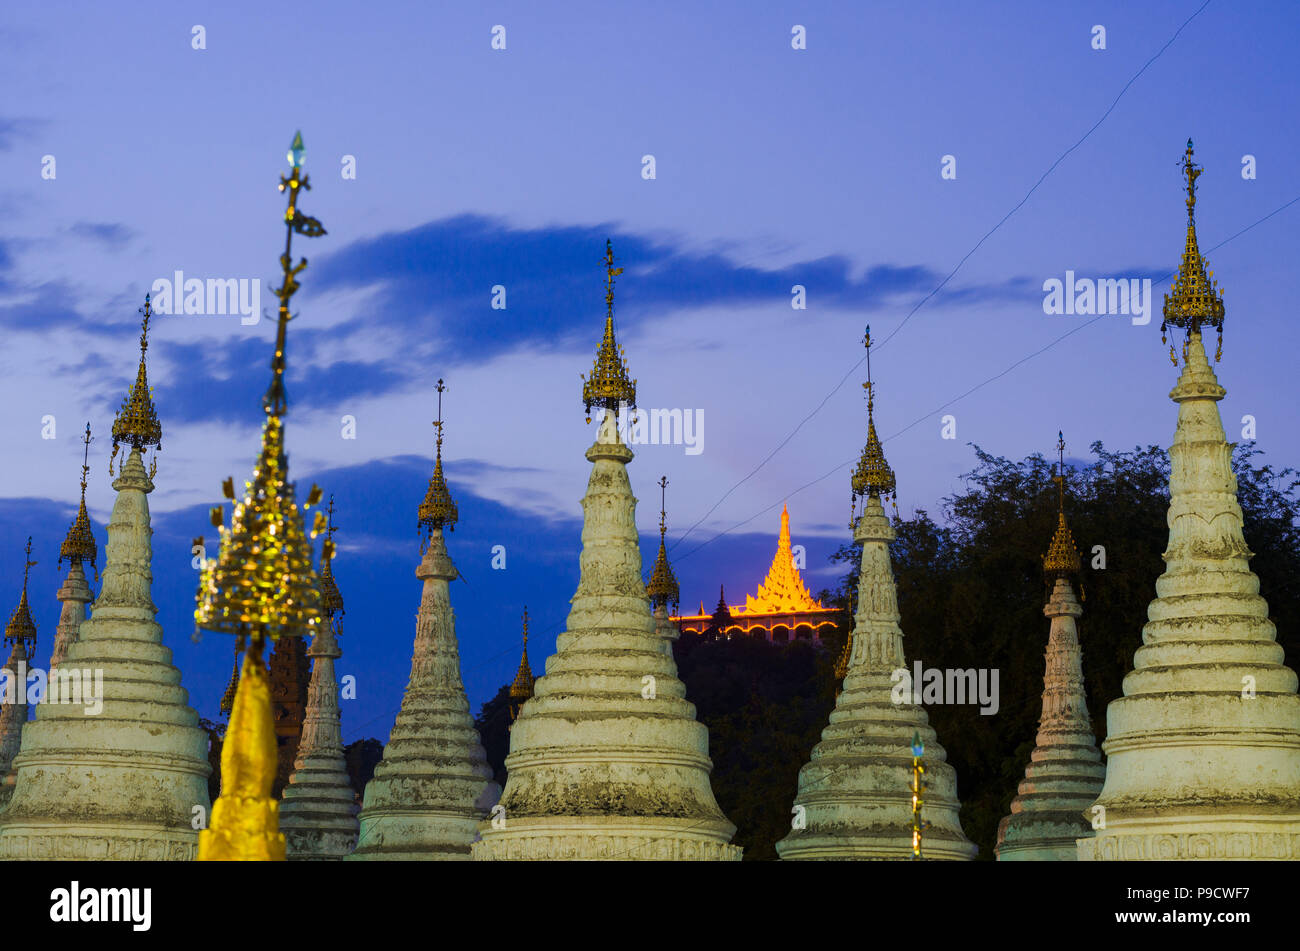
(118, 842)
(1042, 836)
(319, 844)
(852, 823)
(318, 814)
(1217, 836)
(887, 845)
(416, 835)
(619, 838)
(90, 804)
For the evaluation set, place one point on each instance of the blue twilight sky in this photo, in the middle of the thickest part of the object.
(477, 167)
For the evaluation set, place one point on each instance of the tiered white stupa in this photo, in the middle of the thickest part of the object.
(318, 811)
(20, 635)
(129, 782)
(854, 799)
(1065, 771)
(434, 783)
(607, 760)
(1203, 749)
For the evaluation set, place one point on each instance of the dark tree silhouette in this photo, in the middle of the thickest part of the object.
(493, 725)
(362, 756)
(216, 739)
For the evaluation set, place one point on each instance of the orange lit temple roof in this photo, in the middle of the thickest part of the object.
(783, 591)
(781, 598)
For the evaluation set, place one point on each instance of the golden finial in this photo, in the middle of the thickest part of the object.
(873, 477)
(275, 400)
(609, 385)
(521, 690)
(331, 599)
(228, 698)
(262, 582)
(1062, 558)
(1195, 298)
(21, 629)
(842, 663)
(663, 588)
(79, 545)
(136, 424)
(261, 586)
(438, 510)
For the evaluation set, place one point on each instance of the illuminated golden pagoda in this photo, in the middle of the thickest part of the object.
(1195, 300)
(1065, 771)
(79, 546)
(20, 635)
(783, 590)
(858, 792)
(782, 609)
(261, 586)
(521, 689)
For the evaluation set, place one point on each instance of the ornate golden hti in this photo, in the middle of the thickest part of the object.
(437, 511)
(1196, 299)
(663, 588)
(136, 424)
(21, 629)
(609, 386)
(79, 544)
(873, 475)
(227, 705)
(261, 586)
(331, 597)
(521, 691)
(1062, 558)
(842, 663)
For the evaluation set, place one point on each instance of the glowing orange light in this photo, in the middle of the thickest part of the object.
(783, 590)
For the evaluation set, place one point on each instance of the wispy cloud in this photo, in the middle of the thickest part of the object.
(14, 130)
(47, 306)
(112, 234)
(440, 275)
